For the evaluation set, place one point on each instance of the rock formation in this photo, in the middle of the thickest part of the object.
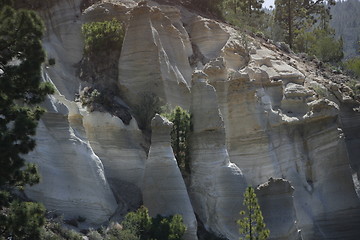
(217, 185)
(152, 35)
(258, 113)
(73, 181)
(277, 206)
(164, 190)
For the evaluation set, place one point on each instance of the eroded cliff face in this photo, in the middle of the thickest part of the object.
(258, 114)
(164, 190)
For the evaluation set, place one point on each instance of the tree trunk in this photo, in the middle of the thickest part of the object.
(290, 24)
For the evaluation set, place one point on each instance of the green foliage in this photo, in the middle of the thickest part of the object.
(140, 224)
(353, 65)
(22, 220)
(89, 96)
(21, 89)
(294, 15)
(180, 136)
(246, 14)
(21, 55)
(248, 7)
(55, 231)
(252, 224)
(148, 106)
(102, 36)
(320, 43)
(209, 6)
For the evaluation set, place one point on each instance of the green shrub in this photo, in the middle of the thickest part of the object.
(102, 36)
(320, 43)
(353, 65)
(88, 97)
(209, 6)
(55, 231)
(142, 225)
(23, 220)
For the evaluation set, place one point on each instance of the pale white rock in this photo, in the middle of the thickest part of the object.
(73, 181)
(122, 151)
(208, 35)
(236, 50)
(295, 99)
(164, 190)
(105, 11)
(216, 69)
(277, 206)
(275, 128)
(217, 185)
(154, 58)
(63, 41)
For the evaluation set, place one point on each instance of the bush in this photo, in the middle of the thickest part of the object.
(209, 6)
(55, 231)
(320, 43)
(23, 220)
(353, 65)
(142, 225)
(102, 36)
(89, 96)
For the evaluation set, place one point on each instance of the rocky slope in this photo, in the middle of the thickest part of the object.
(261, 117)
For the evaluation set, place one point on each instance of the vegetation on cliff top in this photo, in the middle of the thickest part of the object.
(102, 36)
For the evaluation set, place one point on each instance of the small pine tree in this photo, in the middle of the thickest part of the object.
(252, 225)
(179, 136)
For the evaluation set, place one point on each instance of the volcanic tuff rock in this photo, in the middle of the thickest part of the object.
(164, 190)
(217, 185)
(258, 113)
(73, 181)
(151, 35)
(277, 206)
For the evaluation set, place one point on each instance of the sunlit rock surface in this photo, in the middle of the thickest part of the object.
(121, 150)
(258, 113)
(73, 181)
(217, 185)
(164, 190)
(154, 57)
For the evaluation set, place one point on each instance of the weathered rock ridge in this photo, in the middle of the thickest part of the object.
(164, 190)
(260, 118)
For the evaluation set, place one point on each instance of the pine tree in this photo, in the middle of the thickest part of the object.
(21, 55)
(179, 136)
(252, 226)
(250, 7)
(293, 15)
(288, 14)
